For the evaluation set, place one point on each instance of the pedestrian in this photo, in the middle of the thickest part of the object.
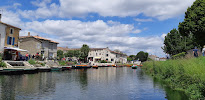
(203, 50)
(29, 56)
(26, 56)
(33, 56)
(195, 52)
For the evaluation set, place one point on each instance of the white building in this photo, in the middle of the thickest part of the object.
(2, 36)
(96, 55)
(37, 44)
(99, 54)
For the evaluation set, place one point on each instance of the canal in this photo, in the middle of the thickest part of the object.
(92, 84)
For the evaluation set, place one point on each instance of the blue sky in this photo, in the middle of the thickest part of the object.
(128, 25)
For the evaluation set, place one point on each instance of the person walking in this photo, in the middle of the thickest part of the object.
(195, 52)
(27, 56)
(203, 50)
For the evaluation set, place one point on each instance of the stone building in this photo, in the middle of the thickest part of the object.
(9, 41)
(98, 54)
(36, 44)
(9, 36)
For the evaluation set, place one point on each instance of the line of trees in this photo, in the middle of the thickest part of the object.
(141, 56)
(190, 33)
(81, 54)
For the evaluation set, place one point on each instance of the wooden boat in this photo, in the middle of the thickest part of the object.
(43, 69)
(81, 66)
(95, 66)
(134, 66)
(56, 68)
(66, 67)
(129, 65)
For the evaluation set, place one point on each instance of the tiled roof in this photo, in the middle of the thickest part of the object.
(97, 48)
(163, 58)
(67, 49)
(38, 37)
(9, 25)
(117, 52)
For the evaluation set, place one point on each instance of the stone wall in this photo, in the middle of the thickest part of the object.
(32, 45)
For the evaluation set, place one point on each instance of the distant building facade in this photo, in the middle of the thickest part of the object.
(9, 36)
(36, 44)
(99, 54)
(9, 41)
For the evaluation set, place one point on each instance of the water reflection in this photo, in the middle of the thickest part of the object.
(91, 84)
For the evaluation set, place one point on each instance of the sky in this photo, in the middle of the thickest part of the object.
(127, 25)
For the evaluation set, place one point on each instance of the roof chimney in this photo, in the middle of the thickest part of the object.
(29, 34)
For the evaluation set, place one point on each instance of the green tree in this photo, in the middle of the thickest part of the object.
(129, 59)
(174, 43)
(194, 22)
(142, 56)
(133, 57)
(76, 53)
(72, 53)
(69, 53)
(60, 54)
(84, 52)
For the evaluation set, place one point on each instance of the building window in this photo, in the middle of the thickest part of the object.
(112, 59)
(107, 55)
(100, 54)
(51, 46)
(96, 54)
(11, 31)
(13, 41)
(9, 40)
(106, 59)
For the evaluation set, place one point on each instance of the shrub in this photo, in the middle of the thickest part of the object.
(2, 64)
(42, 64)
(180, 55)
(103, 61)
(32, 61)
(62, 63)
(181, 74)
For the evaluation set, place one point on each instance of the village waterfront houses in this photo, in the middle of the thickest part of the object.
(36, 44)
(96, 55)
(9, 41)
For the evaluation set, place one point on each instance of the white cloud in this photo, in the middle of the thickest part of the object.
(161, 9)
(74, 33)
(163, 35)
(41, 3)
(11, 18)
(143, 20)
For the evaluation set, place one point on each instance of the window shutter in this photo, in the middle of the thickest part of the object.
(8, 39)
(13, 40)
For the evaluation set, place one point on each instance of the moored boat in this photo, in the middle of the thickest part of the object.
(95, 66)
(81, 66)
(134, 66)
(66, 67)
(56, 68)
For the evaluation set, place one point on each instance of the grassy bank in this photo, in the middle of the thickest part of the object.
(187, 75)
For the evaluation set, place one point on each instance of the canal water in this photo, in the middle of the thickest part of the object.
(80, 84)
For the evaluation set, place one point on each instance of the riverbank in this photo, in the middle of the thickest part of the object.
(186, 75)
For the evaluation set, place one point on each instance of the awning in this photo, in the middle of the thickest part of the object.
(97, 57)
(17, 49)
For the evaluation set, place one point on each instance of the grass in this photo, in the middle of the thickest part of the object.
(32, 61)
(65, 63)
(187, 75)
